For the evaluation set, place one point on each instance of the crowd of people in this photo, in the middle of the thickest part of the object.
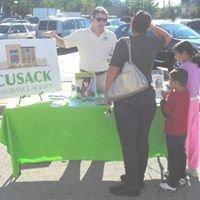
(180, 106)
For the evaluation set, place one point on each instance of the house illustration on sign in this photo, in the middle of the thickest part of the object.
(21, 56)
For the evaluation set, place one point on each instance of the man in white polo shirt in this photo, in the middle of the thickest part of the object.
(95, 45)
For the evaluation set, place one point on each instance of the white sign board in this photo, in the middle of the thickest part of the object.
(158, 82)
(27, 67)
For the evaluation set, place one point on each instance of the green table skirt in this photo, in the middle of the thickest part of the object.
(39, 133)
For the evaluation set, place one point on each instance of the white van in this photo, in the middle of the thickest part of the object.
(62, 25)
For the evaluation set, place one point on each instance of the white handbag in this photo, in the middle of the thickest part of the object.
(129, 81)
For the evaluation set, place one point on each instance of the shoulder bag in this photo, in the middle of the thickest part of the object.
(129, 81)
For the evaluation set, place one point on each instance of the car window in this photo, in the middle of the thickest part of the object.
(18, 29)
(33, 20)
(167, 28)
(43, 25)
(52, 25)
(80, 23)
(115, 22)
(22, 29)
(4, 28)
(69, 24)
(87, 22)
(30, 28)
(181, 31)
(123, 28)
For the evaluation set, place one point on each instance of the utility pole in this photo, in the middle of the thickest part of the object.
(164, 9)
(47, 4)
(169, 3)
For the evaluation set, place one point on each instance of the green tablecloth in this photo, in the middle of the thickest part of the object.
(40, 132)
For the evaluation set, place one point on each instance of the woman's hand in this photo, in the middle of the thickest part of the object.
(165, 94)
(107, 101)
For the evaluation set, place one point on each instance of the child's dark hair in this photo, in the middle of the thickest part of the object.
(189, 49)
(179, 75)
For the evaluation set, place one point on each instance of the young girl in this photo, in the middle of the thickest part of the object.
(190, 61)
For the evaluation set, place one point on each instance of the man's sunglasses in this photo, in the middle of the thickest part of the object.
(101, 19)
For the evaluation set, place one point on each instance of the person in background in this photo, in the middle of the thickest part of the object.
(134, 115)
(174, 106)
(95, 45)
(190, 61)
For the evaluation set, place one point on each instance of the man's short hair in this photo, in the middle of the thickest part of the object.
(99, 10)
(179, 75)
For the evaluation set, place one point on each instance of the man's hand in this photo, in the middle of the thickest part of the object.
(50, 34)
(59, 40)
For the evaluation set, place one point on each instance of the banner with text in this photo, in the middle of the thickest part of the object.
(27, 67)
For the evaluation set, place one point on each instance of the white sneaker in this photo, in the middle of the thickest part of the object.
(192, 172)
(165, 173)
(166, 186)
(182, 182)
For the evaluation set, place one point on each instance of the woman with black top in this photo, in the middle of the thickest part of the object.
(135, 114)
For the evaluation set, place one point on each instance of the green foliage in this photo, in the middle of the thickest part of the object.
(6, 7)
(136, 5)
(104, 3)
(22, 7)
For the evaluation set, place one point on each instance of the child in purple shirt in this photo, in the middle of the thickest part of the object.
(190, 61)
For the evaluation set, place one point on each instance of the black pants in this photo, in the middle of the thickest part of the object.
(134, 116)
(176, 159)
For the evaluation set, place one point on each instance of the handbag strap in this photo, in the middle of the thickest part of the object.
(129, 50)
(128, 41)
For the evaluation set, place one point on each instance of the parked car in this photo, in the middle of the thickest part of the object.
(8, 19)
(114, 22)
(16, 31)
(62, 25)
(192, 23)
(195, 25)
(178, 31)
(32, 19)
(19, 21)
(111, 28)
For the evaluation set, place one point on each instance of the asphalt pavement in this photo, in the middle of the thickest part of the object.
(81, 180)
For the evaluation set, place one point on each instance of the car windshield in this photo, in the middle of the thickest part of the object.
(4, 28)
(30, 28)
(180, 31)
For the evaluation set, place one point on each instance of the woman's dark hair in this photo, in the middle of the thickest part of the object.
(141, 21)
(189, 49)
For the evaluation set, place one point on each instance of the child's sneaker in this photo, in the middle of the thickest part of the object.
(192, 172)
(182, 182)
(166, 186)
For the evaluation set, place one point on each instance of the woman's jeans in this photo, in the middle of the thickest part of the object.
(134, 116)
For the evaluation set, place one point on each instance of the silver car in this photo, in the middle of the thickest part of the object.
(62, 25)
(16, 31)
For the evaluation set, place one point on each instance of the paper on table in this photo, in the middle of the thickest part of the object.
(59, 103)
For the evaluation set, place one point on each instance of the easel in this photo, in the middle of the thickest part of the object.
(24, 96)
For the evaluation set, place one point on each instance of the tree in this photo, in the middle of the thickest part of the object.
(22, 7)
(6, 7)
(104, 3)
(136, 5)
